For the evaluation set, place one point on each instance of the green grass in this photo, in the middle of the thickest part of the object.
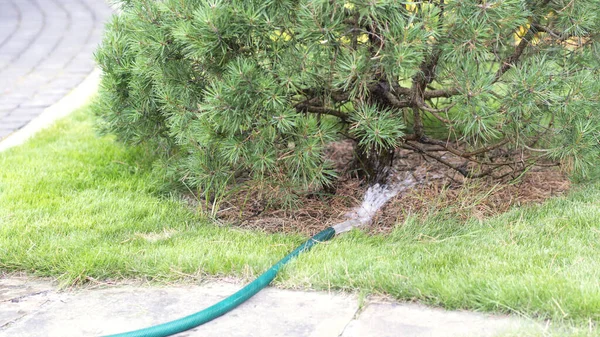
(75, 206)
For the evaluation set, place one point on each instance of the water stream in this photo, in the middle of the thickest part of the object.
(375, 197)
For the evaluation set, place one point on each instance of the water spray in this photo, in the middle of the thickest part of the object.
(375, 197)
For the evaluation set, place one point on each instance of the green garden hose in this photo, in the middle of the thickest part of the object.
(229, 303)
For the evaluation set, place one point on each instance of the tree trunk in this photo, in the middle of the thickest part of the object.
(374, 166)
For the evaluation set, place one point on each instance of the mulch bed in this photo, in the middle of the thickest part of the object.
(440, 188)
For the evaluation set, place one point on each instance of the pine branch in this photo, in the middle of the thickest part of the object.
(512, 59)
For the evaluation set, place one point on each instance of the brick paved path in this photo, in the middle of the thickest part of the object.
(46, 49)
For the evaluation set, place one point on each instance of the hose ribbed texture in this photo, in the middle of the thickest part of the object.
(229, 303)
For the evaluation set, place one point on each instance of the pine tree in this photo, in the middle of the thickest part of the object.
(232, 91)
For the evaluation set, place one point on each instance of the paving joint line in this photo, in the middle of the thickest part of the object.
(19, 319)
(19, 298)
(30, 41)
(355, 316)
(52, 51)
(16, 28)
(55, 46)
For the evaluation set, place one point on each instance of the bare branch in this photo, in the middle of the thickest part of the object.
(322, 110)
(417, 122)
(441, 93)
(444, 144)
(512, 59)
(340, 96)
(312, 95)
(543, 133)
(460, 169)
(420, 81)
(395, 101)
(426, 75)
(536, 150)
(435, 112)
(465, 155)
(486, 148)
(402, 90)
(561, 36)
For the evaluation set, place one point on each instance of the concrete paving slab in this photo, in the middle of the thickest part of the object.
(36, 54)
(22, 115)
(272, 312)
(12, 125)
(73, 100)
(413, 320)
(5, 132)
(34, 308)
(20, 297)
(40, 101)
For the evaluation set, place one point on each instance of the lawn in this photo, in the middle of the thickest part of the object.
(80, 207)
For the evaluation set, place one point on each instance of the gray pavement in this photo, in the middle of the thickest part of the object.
(46, 49)
(33, 307)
